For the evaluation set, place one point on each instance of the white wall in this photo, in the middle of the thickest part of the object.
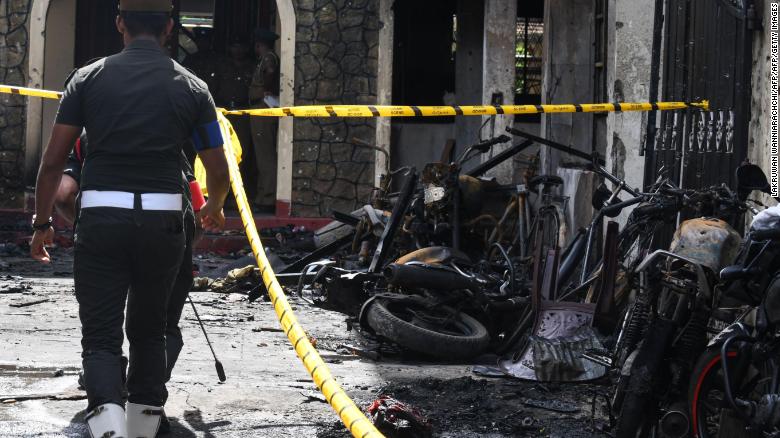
(59, 54)
(498, 74)
(628, 80)
(759, 132)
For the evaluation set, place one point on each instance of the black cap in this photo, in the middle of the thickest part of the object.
(265, 35)
(145, 5)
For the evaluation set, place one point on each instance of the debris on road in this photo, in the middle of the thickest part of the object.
(29, 303)
(12, 284)
(358, 351)
(397, 419)
(551, 405)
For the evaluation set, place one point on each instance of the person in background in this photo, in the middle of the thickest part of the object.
(65, 199)
(234, 74)
(204, 62)
(264, 92)
(138, 108)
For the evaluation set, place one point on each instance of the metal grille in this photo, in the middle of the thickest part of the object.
(706, 55)
(528, 58)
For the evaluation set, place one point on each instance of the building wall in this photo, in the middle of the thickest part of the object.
(14, 38)
(568, 75)
(759, 132)
(335, 63)
(628, 77)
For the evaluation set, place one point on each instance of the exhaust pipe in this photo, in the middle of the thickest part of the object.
(416, 276)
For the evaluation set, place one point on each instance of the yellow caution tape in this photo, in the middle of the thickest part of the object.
(422, 111)
(352, 417)
(34, 92)
(444, 111)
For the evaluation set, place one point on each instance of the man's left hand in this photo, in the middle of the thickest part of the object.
(38, 245)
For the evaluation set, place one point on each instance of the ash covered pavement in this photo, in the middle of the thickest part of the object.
(268, 393)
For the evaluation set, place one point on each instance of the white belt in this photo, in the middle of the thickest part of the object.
(126, 200)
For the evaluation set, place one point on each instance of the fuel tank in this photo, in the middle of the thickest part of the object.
(711, 242)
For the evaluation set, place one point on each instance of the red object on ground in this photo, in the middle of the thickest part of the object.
(397, 419)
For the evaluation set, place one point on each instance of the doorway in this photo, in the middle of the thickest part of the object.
(95, 36)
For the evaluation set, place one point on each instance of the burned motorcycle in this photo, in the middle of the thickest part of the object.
(666, 328)
(434, 301)
(742, 399)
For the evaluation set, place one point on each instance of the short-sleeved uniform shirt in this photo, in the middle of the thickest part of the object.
(138, 107)
(268, 64)
(76, 161)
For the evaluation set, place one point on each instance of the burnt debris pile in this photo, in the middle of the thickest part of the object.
(452, 265)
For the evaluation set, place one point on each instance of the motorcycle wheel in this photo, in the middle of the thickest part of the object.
(440, 332)
(637, 404)
(706, 398)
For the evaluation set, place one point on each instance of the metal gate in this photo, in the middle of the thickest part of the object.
(706, 55)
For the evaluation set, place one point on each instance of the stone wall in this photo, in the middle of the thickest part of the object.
(14, 20)
(336, 63)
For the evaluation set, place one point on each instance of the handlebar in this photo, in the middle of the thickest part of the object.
(767, 234)
(720, 198)
(658, 208)
(482, 147)
(597, 163)
(616, 208)
(489, 143)
(555, 145)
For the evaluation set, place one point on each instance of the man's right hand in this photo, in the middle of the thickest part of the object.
(211, 217)
(40, 239)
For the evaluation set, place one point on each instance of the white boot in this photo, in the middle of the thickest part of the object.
(143, 421)
(107, 421)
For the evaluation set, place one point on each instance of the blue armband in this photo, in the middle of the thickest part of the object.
(208, 136)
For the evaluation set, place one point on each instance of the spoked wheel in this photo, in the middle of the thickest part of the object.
(711, 415)
(545, 230)
(440, 332)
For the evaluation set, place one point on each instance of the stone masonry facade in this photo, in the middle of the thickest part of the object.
(336, 63)
(14, 38)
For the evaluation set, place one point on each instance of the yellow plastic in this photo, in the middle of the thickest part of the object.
(352, 417)
(227, 132)
(33, 92)
(478, 110)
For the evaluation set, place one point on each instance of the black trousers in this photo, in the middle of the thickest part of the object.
(181, 289)
(130, 256)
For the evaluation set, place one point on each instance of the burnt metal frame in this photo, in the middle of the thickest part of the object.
(396, 218)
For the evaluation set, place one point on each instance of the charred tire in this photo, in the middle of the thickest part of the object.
(638, 408)
(390, 320)
(706, 387)
(634, 421)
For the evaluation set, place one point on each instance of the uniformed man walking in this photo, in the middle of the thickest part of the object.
(65, 204)
(264, 89)
(138, 107)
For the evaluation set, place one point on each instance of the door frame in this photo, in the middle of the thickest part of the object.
(40, 21)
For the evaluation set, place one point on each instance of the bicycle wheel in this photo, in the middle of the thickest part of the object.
(546, 225)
